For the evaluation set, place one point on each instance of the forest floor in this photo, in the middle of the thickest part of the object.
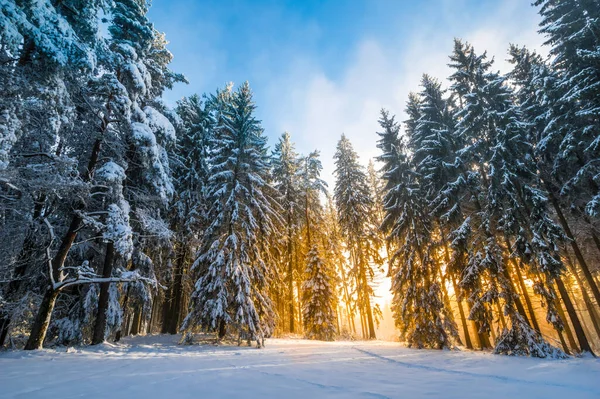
(156, 367)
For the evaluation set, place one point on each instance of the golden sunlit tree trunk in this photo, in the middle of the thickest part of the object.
(579, 332)
(576, 250)
(592, 310)
(567, 327)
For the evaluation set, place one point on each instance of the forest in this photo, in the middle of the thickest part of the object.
(121, 215)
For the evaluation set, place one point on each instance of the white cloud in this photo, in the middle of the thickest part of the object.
(317, 108)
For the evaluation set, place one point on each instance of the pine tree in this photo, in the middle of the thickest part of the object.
(418, 307)
(286, 165)
(113, 104)
(319, 298)
(434, 146)
(233, 272)
(311, 186)
(188, 215)
(353, 201)
(43, 62)
(505, 203)
(571, 28)
(536, 90)
(392, 155)
(335, 249)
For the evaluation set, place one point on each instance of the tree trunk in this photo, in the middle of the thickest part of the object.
(177, 293)
(563, 343)
(290, 281)
(300, 315)
(166, 309)
(583, 342)
(299, 290)
(368, 306)
(586, 298)
(461, 311)
(42, 320)
(515, 297)
(576, 304)
(485, 339)
(574, 245)
(447, 303)
(532, 321)
(45, 312)
(25, 259)
(222, 329)
(493, 334)
(100, 326)
(137, 319)
(500, 316)
(528, 302)
(351, 324)
(152, 315)
(463, 319)
(364, 301)
(5, 320)
(567, 327)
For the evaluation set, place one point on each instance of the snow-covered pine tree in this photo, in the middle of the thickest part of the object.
(536, 87)
(43, 61)
(497, 160)
(433, 147)
(320, 323)
(573, 32)
(188, 213)
(376, 186)
(569, 144)
(319, 297)
(417, 302)
(59, 55)
(114, 104)
(335, 250)
(141, 63)
(353, 201)
(392, 155)
(374, 245)
(233, 274)
(419, 310)
(311, 187)
(286, 165)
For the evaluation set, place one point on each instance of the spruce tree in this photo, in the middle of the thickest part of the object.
(536, 98)
(434, 146)
(319, 297)
(232, 267)
(286, 165)
(506, 201)
(353, 201)
(116, 102)
(418, 307)
(188, 214)
(571, 29)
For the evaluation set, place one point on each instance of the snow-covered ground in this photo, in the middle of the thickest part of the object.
(156, 367)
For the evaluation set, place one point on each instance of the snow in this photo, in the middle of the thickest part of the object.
(118, 229)
(111, 172)
(159, 124)
(155, 367)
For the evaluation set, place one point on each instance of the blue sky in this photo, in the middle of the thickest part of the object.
(322, 68)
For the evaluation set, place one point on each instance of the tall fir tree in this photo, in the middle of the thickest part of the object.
(353, 201)
(319, 297)
(232, 268)
(571, 29)
(286, 166)
(496, 158)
